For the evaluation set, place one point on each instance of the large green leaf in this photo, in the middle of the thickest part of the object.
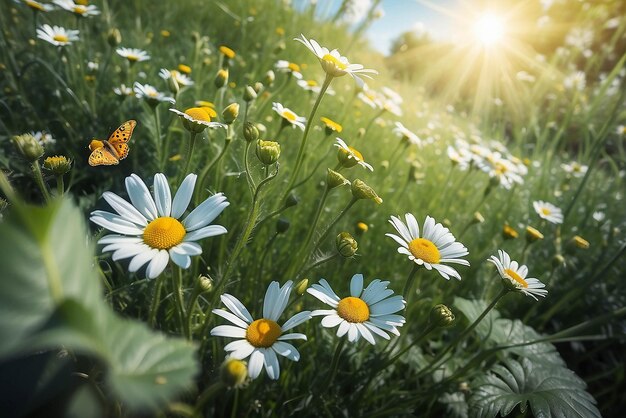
(51, 297)
(550, 391)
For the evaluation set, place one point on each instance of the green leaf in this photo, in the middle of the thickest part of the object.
(53, 299)
(455, 403)
(551, 392)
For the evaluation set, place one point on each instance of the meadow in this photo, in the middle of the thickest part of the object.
(215, 208)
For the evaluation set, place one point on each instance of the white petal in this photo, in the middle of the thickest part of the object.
(271, 364)
(292, 336)
(123, 253)
(162, 195)
(255, 365)
(181, 260)
(240, 349)
(125, 209)
(183, 196)
(236, 307)
(206, 212)
(230, 317)
(115, 223)
(142, 258)
(140, 197)
(228, 331)
(331, 321)
(343, 328)
(286, 350)
(296, 320)
(187, 248)
(270, 299)
(158, 264)
(365, 333)
(115, 239)
(353, 333)
(207, 231)
(356, 285)
(376, 330)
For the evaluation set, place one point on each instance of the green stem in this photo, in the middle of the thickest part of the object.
(205, 172)
(233, 413)
(246, 162)
(333, 223)
(406, 293)
(207, 395)
(309, 123)
(192, 143)
(335, 362)
(180, 304)
(39, 180)
(60, 185)
(161, 152)
(190, 308)
(156, 299)
(319, 263)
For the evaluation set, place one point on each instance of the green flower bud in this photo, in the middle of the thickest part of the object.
(258, 86)
(346, 244)
(250, 131)
(233, 372)
(58, 165)
(114, 37)
(360, 190)
(221, 78)
(269, 78)
(282, 225)
(508, 232)
(301, 286)
(533, 234)
(249, 94)
(441, 316)
(230, 113)
(292, 200)
(580, 242)
(335, 179)
(205, 283)
(478, 218)
(280, 47)
(267, 151)
(28, 146)
(558, 261)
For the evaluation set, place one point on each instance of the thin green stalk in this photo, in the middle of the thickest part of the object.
(192, 143)
(406, 293)
(246, 162)
(60, 185)
(39, 180)
(207, 395)
(233, 412)
(309, 123)
(190, 308)
(207, 169)
(161, 156)
(319, 263)
(319, 241)
(180, 304)
(156, 299)
(334, 365)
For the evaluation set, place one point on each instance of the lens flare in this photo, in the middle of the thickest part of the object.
(489, 29)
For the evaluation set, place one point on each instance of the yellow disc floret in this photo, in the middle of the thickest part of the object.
(333, 60)
(425, 250)
(60, 38)
(164, 233)
(513, 276)
(353, 310)
(198, 113)
(290, 116)
(263, 333)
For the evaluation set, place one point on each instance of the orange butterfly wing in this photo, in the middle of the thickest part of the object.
(102, 156)
(116, 148)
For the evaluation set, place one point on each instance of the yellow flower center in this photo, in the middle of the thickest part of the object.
(263, 333)
(184, 68)
(289, 115)
(60, 38)
(153, 93)
(80, 10)
(35, 5)
(294, 67)
(164, 233)
(198, 113)
(132, 57)
(513, 275)
(356, 153)
(332, 60)
(353, 310)
(228, 53)
(331, 124)
(311, 83)
(545, 211)
(424, 249)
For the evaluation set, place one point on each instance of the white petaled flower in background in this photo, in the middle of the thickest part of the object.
(365, 313)
(78, 9)
(548, 211)
(515, 276)
(149, 230)
(313, 86)
(432, 249)
(124, 91)
(57, 35)
(44, 138)
(289, 115)
(352, 155)
(181, 79)
(575, 169)
(263, 338)
(149, 93)
(333, 63)
(502, 169)
(407, 135)
(36, 5)
(288, 68)
(133, 55)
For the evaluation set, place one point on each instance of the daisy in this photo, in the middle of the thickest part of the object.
(289, 116)
(44, 138)
(363, 313)
(263, 338)
(575, 169)
(57, 35)
(36, 6)
(78, 9)
(133, 55)
(436, 246)
(149, 230)
(181, 79)
(289, 68)
(515, 276)
(332, 62)
(331, 126)
(123, 91)
(152, 95)
(196, 119)
(349, 157)
(406, 135)
(548, 211)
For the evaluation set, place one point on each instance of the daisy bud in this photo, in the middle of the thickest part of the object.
(28, 146)
(361, 228)
(250, 132)
(580, 242)
(441, 316)
(58, 165)
(282, 225)
(533, 234)
(114, 37)
(558, 261)
(302, 286)
(249, 94)
(267, 151)
(172, 85)
(292, 200)
(257, 87)
(269, 78)
(335, 179)
(221, 78)
(205, 284)
(233, 372)
(509, 233)
(346, 244)
(478, 218)
(360, 190)
(230, 113)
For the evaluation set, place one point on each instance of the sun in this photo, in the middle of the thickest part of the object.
(489, 29)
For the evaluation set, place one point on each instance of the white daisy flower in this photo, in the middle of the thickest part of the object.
(149, 230)
(548, 211)
(502, 169)
(349, 157)
(124, 91)
(57, 35)
(406, 135)
(289, 115)
(435, 247)
(288, 68)
(181, 79)
(78, 9)
(133, 55)
(36, 5)
(575, 169)
(197, 119)
(364, 313)
(263, 338)
(313, 86)
(332, 62)
(44, 138)
(150, 94)
(515, 276)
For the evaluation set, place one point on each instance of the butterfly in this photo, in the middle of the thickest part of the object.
(111, 151)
